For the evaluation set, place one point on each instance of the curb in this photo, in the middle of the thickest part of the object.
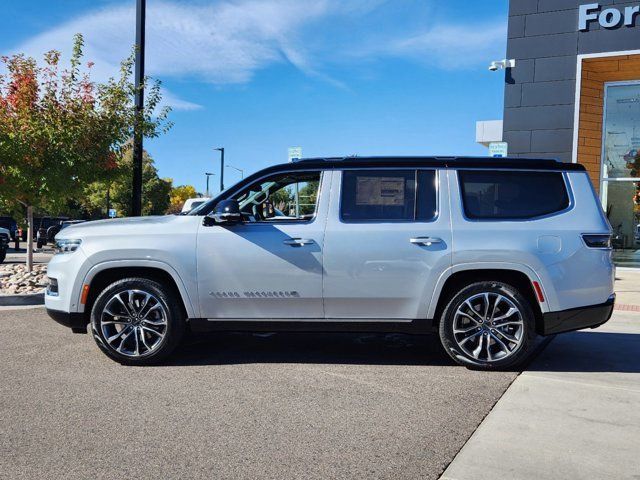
(20, 300)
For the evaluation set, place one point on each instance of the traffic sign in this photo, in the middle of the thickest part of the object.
(113, 213)
(295, 153)
(498, 149)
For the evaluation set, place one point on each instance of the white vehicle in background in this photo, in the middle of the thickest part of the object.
(488, 253)
(638, 235)
(192, 203)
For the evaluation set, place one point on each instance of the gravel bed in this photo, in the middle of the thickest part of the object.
(16, 280)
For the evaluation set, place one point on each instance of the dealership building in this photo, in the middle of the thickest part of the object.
(572, 92)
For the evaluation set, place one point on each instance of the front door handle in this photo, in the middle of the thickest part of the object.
(298, 242)
(425, 241)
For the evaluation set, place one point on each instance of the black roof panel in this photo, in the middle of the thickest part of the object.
(440, 162)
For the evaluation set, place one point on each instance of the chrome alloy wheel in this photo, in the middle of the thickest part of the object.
(488, 327)
(134, 323)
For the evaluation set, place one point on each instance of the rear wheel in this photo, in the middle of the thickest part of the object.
(137, 321)
(3, 255)
(488, 325)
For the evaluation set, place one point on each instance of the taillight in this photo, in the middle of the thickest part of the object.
(597, 241)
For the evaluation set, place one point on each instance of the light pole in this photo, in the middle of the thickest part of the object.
(221, 150)
(208, 175)
(238, 169)
(136, 196)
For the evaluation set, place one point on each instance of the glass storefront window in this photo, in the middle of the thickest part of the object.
(620, 190)
(621, 142)
(622, 202)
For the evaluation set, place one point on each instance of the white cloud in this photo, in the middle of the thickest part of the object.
(453, 46)
(228, 41)
(222, 43)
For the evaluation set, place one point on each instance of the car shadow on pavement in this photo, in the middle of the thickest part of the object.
(226, 348)
(591, 351)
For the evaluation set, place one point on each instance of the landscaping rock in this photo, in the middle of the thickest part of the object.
(16, 280)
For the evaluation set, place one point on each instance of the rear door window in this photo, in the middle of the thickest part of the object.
(388, 195)
(512, 195)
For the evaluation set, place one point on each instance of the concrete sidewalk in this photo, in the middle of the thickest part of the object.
(627, 288)
(574, 414)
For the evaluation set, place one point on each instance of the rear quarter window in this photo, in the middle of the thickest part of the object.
(513, 195)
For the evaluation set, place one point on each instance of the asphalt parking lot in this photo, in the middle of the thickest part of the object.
(234, 406)
(41, 256)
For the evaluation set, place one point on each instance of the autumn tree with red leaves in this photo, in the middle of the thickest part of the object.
(60, 131)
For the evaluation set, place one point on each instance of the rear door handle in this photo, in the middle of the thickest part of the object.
(298, 242)
(425, 241)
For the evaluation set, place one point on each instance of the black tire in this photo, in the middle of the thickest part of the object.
(51, 234)
(170, 307)
(485, 360)
(3, 255)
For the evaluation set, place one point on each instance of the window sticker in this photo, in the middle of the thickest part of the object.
(385, 191)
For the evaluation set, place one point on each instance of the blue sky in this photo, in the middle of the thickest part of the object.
(336, 77)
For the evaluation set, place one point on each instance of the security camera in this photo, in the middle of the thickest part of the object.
(501, 64)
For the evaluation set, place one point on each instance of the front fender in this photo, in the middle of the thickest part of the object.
(107, 265)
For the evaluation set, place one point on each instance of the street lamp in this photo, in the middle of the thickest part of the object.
(208, 175)
(136, 195)
(238, 169)
(221, 150)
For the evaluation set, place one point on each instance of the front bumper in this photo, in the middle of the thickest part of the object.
(577, 318)
(77, 322)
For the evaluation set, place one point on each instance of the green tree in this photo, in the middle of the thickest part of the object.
(60, 131)
(117, 189)
(179, 195)
(308, 198)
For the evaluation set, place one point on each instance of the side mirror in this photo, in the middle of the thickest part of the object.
(226, 211)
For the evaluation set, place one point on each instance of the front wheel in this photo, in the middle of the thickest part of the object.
(137, 321)
(3, 255)
(488, 325)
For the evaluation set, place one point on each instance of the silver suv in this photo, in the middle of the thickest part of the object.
(488, 253)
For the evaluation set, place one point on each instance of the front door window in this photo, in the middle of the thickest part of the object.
(283, 197)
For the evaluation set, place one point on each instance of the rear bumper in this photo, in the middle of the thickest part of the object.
(577, 318)
(77, 322)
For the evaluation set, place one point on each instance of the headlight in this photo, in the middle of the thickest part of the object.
(67, 246)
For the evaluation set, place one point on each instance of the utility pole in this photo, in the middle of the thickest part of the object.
(221, 150)
(108, 199)
(208, 175)
(136, 197)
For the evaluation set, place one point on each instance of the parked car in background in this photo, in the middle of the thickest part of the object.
(44, 224)
(9, 224)
(488, 253)
(53, 230)
(637, 235)
(5, 236)
(192, 203)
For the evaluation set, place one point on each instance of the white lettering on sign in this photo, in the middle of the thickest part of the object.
(607, 18)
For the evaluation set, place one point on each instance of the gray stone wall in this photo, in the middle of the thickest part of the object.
(540, 91)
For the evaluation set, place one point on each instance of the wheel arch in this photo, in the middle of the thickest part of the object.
(520, 277)
(106, 273)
